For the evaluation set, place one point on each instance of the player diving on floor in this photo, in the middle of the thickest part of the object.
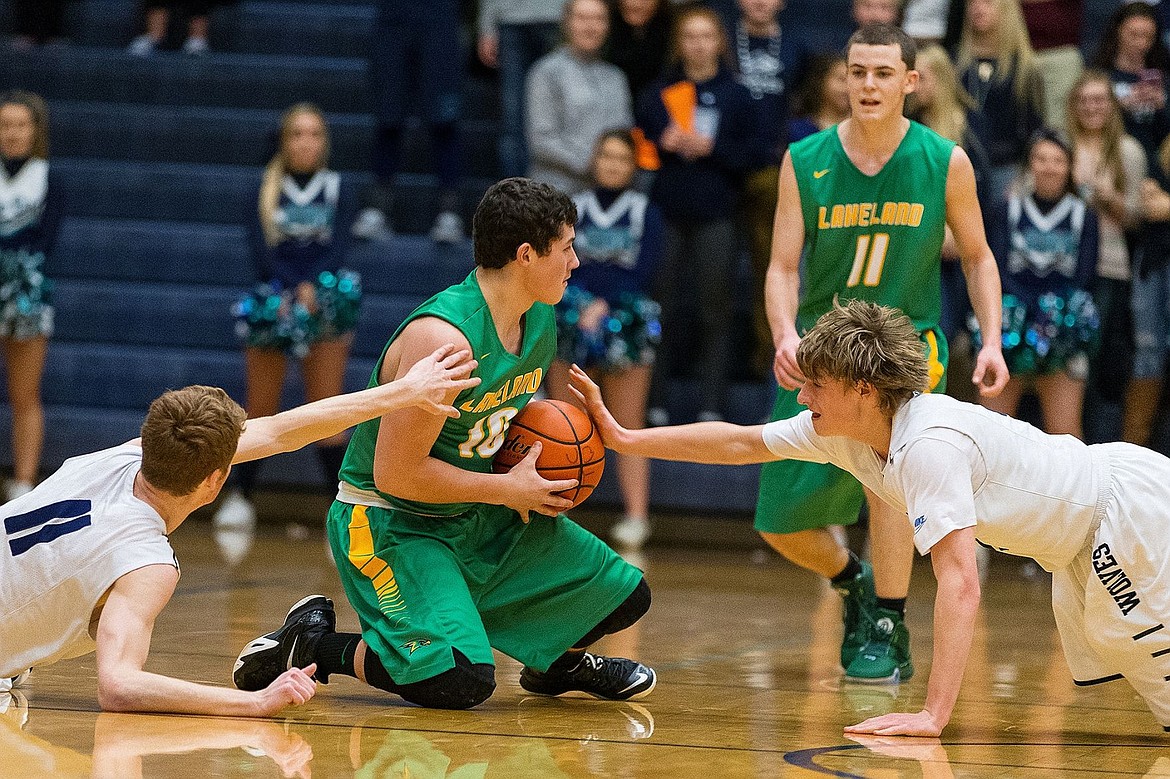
(1092, 515)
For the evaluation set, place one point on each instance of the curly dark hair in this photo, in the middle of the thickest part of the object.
(516, 211)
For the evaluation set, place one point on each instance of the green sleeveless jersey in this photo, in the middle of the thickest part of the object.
(508, 383)
(877, 238)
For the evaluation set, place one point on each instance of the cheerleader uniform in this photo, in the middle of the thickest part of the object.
(1047, 252)
(30, 215)
(310, 216)
(619, 244)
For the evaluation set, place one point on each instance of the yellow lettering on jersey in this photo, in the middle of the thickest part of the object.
(524, 384)
(846, 215)
(916, 210)
(866, 210)
(851, 210)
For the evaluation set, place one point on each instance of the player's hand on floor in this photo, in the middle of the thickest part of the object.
(587, 391)
(921, 724)
(291, 753)
(530, 492)
(292, 688)
(991, 372)
(435, 377)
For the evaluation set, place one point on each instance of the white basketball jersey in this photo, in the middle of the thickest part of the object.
(66, 543)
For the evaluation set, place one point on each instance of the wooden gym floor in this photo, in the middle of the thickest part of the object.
(744, 645)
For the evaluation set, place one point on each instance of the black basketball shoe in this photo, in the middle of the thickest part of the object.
(610, 678)
(293, 645)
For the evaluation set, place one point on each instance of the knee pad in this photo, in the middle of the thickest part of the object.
(462, 687)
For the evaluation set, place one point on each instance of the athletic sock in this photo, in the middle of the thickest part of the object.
(893, 604)
(335, 653)
(851, 569)
(568, 661)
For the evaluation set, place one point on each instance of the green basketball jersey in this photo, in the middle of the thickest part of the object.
(508, 382)
(877, 238)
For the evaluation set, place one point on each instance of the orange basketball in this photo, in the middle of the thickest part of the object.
(572, 449)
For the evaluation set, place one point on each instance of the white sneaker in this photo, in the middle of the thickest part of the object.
(448, 228)
(236, 511)
(371, 225)
(15, 489)
(142, 46)
(14, 706)
(630, 533)
(195, 46)
(15, 681)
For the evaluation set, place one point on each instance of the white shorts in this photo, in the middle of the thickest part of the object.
(1112, 602)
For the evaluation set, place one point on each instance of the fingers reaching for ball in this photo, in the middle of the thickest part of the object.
(587, 391)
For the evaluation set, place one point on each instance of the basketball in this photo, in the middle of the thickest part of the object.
(572, 449)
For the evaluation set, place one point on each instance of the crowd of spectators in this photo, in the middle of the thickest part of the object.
(668, 122)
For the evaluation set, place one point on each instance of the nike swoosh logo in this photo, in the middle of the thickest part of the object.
(485, 356)
(818, 173)
(259, 645)
(641, 678)
(291, 652)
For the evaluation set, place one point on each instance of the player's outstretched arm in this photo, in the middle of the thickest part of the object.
(717, 443)
(123, 641)
(428, 385)
(979, 267)
(955, 606)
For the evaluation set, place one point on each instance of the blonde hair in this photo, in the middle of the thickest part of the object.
(859, 341)
(40, 116)
(947, 115)
(278, 165)
(1012, 45)
(1111, 133)
(189, 434)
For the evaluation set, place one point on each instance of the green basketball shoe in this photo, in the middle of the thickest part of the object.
(885, 657)
(860, 601)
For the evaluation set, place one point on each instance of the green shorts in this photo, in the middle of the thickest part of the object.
(797, 495)
(422, 586)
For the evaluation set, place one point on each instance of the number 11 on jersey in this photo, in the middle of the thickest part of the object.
(869, 257)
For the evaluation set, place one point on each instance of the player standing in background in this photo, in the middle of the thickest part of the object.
(86, 563)
(868, 203)
(442, 559)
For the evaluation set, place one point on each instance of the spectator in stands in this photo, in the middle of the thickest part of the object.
(639, 36)
(996, 68)
(1109, 167)
(38, 22)
(941, 103)
(764, 63)
(705, 127)
(1054, 29)
(306, 304)
(1044, 237)
(1133, 54)
(158, 18)
(607, 323)
(30, 215)
(822, 98)
(415, 50)
(573, 97)
(1151, 306)
(513, 34)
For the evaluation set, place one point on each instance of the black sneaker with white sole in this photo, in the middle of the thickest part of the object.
(293, 645)
(609, 678)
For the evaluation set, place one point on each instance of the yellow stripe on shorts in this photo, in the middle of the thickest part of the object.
(374, 568)
(934, 366)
